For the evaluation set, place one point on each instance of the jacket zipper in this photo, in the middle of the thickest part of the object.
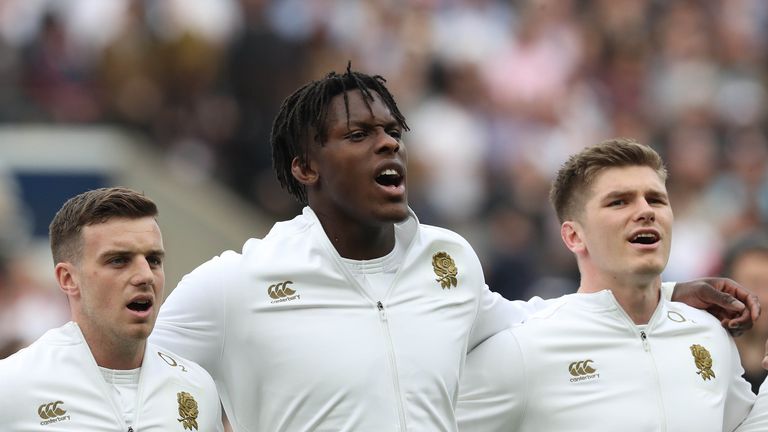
(644, 338)
(647, 348)
(393, 364)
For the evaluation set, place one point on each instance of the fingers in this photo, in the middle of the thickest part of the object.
(742, 296)
(735, 306)
(754, 306)
(722, 299)
(735, 323)
(746, 300)
(751, 309)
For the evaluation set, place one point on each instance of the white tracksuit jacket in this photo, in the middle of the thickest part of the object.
(294, 342)
(757, 420)
(55, 385)
(583, 365)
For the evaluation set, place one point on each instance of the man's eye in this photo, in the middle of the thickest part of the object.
(616, 203)
(118, 260)
(155, 261)
(396, 134)
(357, 136)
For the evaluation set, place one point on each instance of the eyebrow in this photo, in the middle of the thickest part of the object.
(116, 252)
(627, 192)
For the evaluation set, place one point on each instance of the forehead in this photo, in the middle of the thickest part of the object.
(358, 109)
(123, 234)
(631, 178)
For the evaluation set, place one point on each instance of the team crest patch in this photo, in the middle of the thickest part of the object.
(187, 410)
(703, 362)
(445, 269)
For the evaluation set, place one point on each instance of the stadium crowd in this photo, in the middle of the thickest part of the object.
(497, 94)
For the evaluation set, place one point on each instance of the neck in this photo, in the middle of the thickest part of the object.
(359, 242)
(111, 353)
(639, 298)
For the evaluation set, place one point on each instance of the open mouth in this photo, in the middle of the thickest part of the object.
(140, 305)
(645, 238)
(389, 177)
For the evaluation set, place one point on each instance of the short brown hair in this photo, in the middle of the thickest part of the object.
(574, 178)
(89, 208)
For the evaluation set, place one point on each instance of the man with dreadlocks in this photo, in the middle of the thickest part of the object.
(353, 316)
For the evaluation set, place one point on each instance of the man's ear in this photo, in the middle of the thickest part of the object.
(570, 232)
(303, 172)
(67, 279)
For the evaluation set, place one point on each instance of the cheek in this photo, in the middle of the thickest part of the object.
(102, 291)
(666, 218)
(159, 284)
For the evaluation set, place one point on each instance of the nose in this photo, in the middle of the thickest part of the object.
(646, 212)
(386, 143)
(143, 274)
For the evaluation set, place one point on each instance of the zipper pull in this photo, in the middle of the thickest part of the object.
(644, 338)
(380, 307)
(130, 429)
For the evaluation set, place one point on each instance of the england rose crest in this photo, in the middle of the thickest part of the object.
(445, 269)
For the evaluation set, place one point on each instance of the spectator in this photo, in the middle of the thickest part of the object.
(746, 261)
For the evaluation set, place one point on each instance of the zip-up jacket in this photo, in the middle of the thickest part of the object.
(295, 343)
(55, 385)
(757, 420)
(581, 364)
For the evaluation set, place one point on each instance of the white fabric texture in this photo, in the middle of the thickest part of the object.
(55, 385)
(582, 364)
(321, 355)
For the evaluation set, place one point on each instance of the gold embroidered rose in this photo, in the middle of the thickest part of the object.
(703, 362)
(187, 410)
(445, 269)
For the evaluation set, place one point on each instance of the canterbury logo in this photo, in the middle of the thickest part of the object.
(50, 410)
(582, 370)
(281, 292)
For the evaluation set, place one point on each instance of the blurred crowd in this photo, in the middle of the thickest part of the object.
(497, 93)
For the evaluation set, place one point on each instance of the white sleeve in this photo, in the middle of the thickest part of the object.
(492, 393)
(739, 399)
(757, 420)
(191, 322)
(495, 313)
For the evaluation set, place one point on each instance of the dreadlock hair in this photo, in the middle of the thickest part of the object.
(305, 111)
